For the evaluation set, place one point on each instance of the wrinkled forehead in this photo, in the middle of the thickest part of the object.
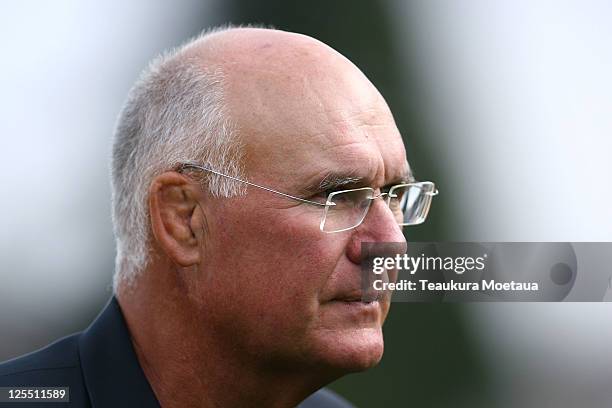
(300, 120)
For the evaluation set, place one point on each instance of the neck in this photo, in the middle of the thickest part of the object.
(188, 365)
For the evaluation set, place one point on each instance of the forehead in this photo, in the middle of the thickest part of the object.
(363, 144)
(310, 121)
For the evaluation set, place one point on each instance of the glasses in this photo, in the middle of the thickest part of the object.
(346, 209)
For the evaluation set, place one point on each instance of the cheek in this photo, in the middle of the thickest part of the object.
(274, 264)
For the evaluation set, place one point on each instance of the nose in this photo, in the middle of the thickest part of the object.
(379, 225)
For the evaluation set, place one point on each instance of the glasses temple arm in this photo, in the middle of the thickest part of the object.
(253, 184)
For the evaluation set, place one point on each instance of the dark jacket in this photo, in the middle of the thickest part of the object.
(101, 370)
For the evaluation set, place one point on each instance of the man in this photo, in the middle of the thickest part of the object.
(238, 259)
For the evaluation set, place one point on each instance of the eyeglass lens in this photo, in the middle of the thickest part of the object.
(348, 211)
(409, 203)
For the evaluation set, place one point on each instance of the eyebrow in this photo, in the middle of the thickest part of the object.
(331, 180)
(334, 180)
(406, 177)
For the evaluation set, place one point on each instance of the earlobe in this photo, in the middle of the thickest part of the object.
(172, 203)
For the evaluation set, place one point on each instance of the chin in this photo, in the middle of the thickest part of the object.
(352, 350)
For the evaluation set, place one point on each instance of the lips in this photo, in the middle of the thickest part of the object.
(359, 296)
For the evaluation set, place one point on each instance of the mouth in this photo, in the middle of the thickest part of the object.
(356, 309)
(359, 297)
(357, 312)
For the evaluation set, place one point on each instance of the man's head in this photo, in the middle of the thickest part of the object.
(252, 269)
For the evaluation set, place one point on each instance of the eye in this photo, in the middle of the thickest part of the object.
(321, 196)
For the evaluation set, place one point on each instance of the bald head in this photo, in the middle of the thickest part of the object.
(238, 50)
(285, 90)
(263, 65)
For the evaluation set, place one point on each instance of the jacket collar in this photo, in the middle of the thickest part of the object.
(111, 371)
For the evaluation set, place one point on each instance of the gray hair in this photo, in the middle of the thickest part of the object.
(174, 113)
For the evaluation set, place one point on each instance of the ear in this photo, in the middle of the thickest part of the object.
(172, 203)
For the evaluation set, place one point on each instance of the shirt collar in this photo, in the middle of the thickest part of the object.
(111, 371)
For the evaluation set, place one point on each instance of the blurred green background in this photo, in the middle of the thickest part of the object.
(505, 105)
